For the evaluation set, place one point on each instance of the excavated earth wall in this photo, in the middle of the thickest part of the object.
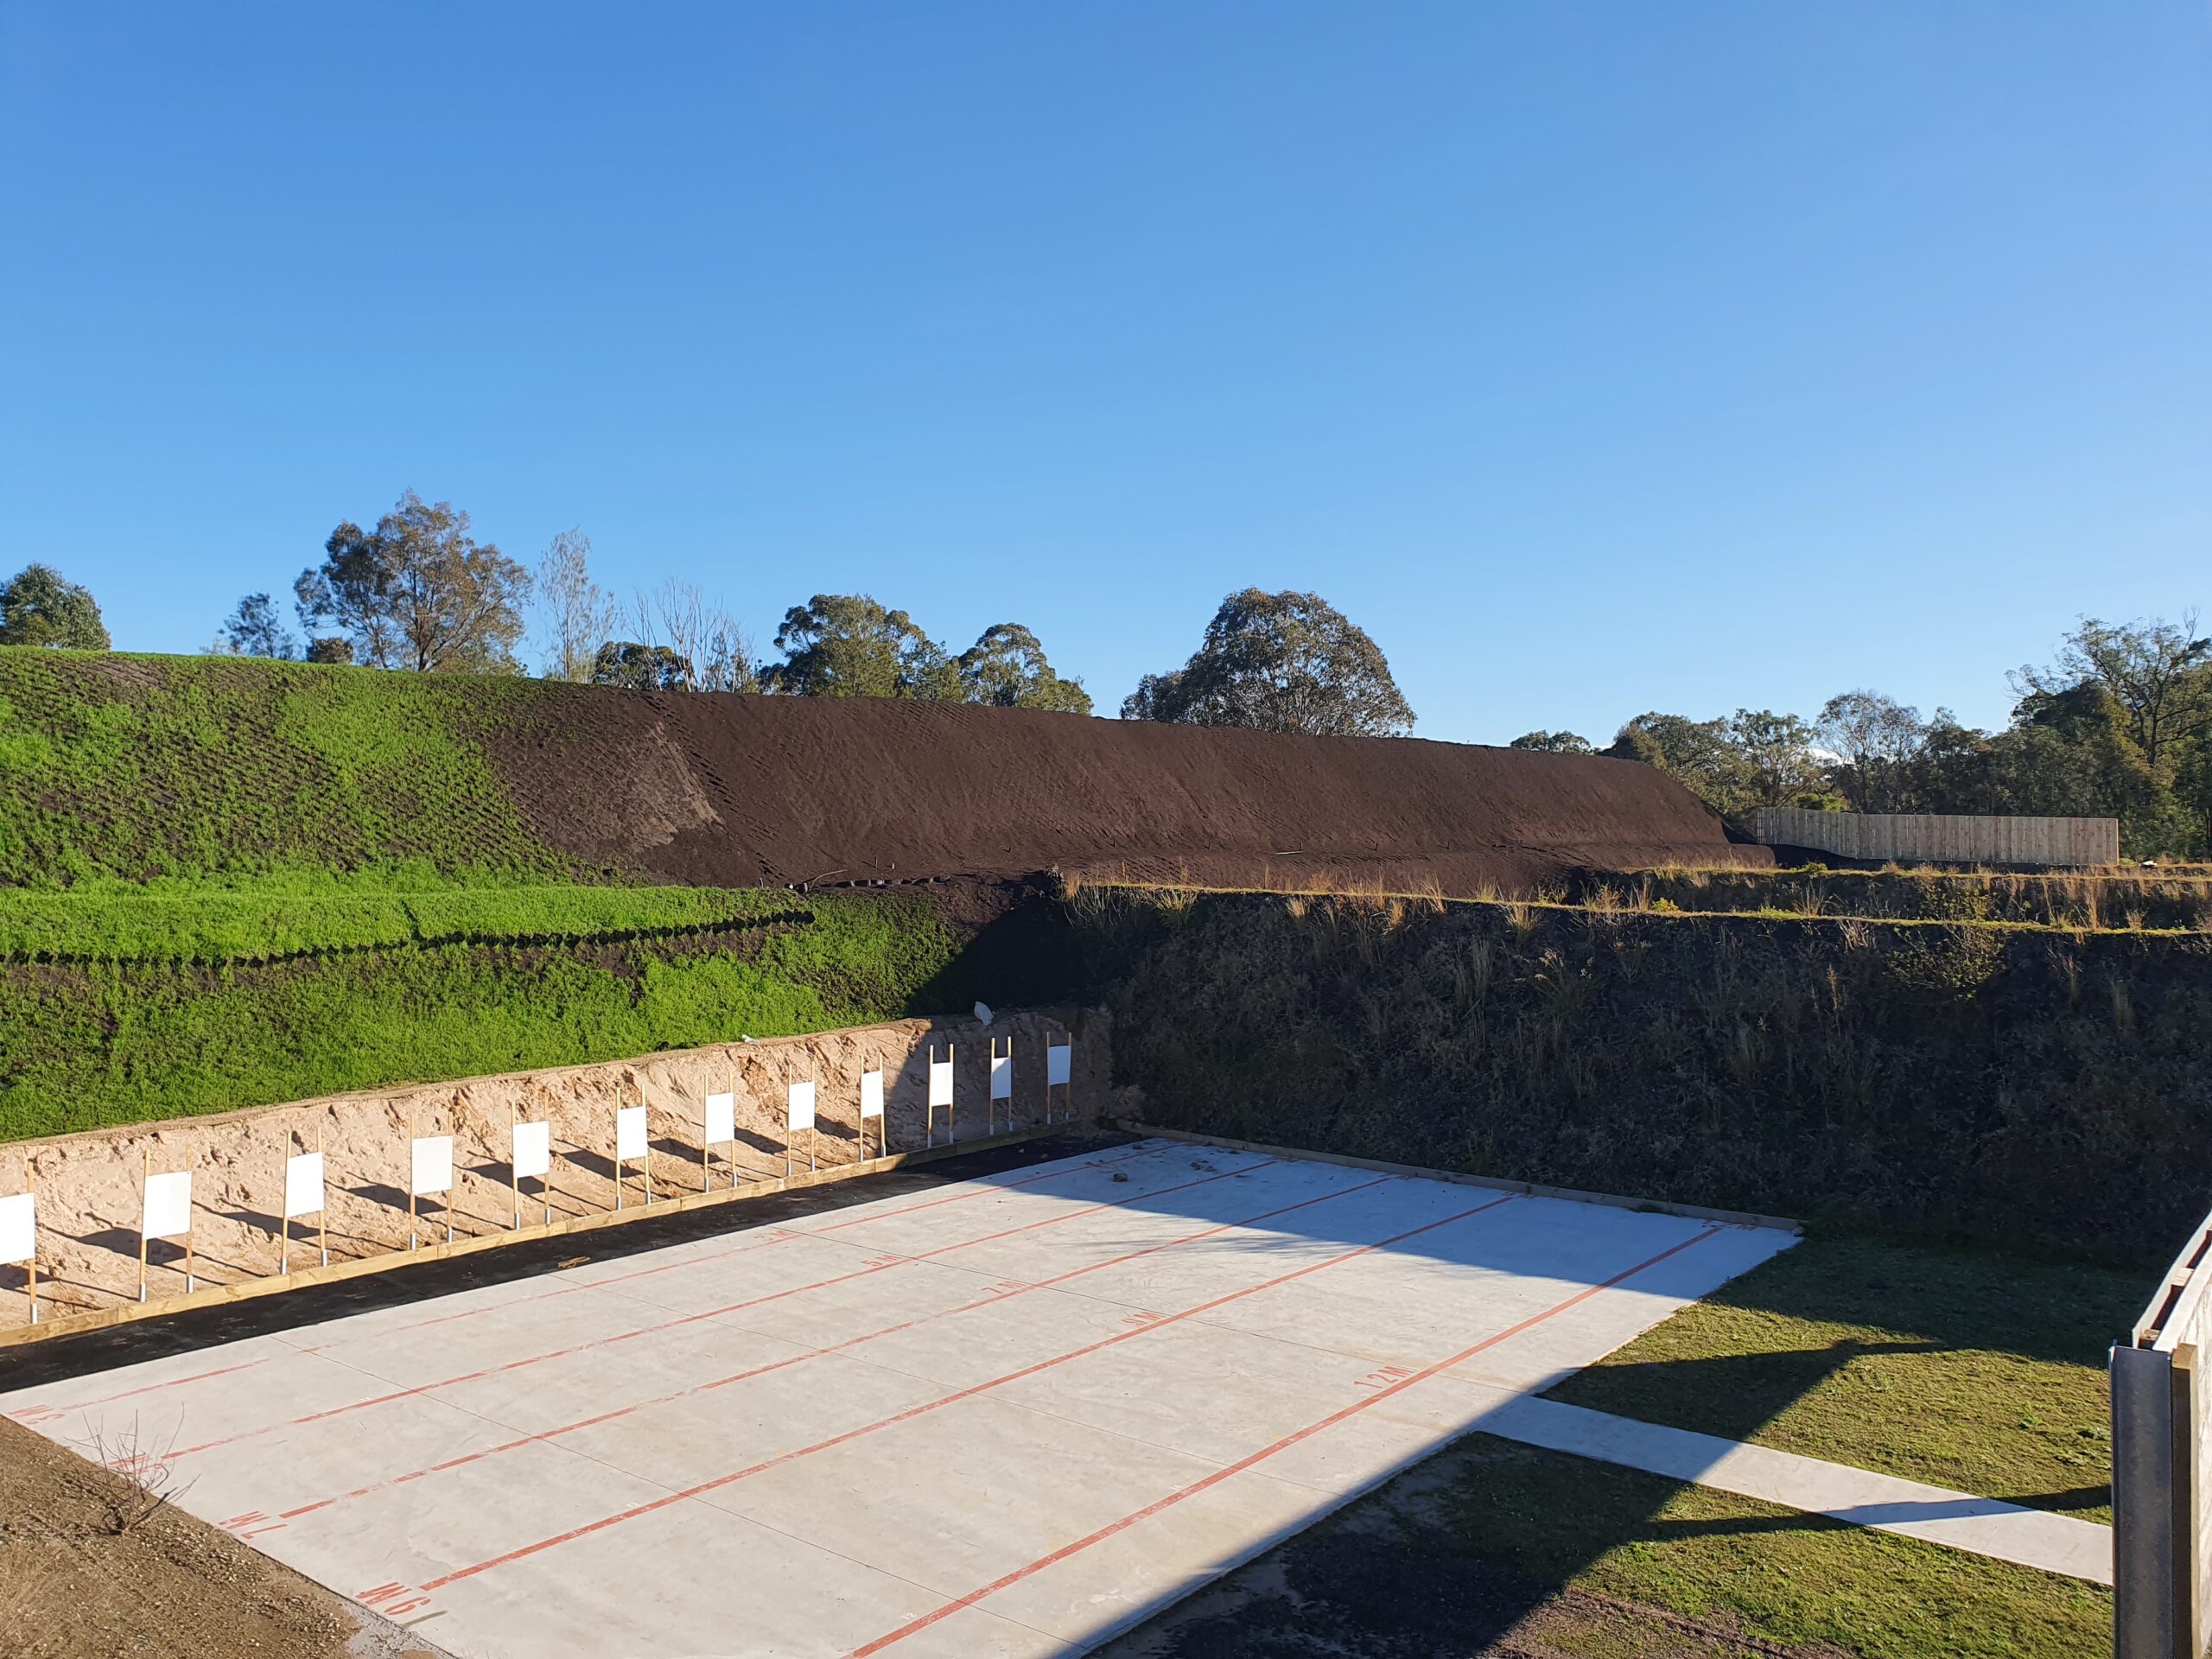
(88, 1185)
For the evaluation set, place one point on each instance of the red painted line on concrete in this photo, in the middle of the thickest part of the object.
(1295, 1437)
(34, 1409)
(882, 1266)
(969, 1392)
(834, 1347)
(783, 1235)
(37, 1410)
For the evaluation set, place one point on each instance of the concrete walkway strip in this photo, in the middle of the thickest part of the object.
(2037, 1538)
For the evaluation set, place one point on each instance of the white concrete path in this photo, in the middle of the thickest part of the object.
(1000, 1420)
(2056, 1543)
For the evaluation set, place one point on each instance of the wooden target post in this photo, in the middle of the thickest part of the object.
(720, 1131)
(941, 1094)
(798, 1114)
(1001, 1087)
(306, 1192)
(629, 1143)
(1058, 1072)
(19, 1234)
(530, 1152)
(165, 1212)
(872, 1107)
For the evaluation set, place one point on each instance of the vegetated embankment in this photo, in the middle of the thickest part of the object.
(2020, 1085)
(141, 766)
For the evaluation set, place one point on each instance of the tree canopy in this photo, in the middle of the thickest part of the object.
(1006, 668)
(418, 592)
(40, 606)
(1552, 743)
(254, 629)
(1287, 662)
(849, 645)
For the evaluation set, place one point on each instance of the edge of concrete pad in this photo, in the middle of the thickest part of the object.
(389, 1261)
(1529, 1189)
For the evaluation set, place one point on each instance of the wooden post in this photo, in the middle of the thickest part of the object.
(32, 1266)
(514, 1181)
(284, 1213)
(813, 1141)
(323, 1215)
(188, 1285)
(145, 1176)
(412, 1127)
(647, 1159)
(618, 1152)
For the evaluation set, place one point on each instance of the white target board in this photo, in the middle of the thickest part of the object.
(630, 1132)
(722, 1119)
(18, 1228)
(940, 1082)
(533, 1149)
(872, 1093)
(1002, 1076)
(302, 1185)
(432, 1165)
(1056, 1067)
(802, 1107)
(167, 1212)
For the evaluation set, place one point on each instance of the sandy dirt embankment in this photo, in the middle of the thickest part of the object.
(89, 1185)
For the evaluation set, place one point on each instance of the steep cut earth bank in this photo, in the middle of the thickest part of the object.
(2021, 1087)
(142, 766)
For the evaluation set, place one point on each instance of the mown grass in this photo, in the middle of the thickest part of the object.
(2127, 900)
(137, 768)
(102, 1042)
(1778, 1575)
(1971, 1369)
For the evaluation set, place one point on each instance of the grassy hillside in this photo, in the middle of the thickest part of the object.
(2003, 1082)
(139, 1008)
(227, 883)
(210, 767)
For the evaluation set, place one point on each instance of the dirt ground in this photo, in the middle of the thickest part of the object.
(730, 790)
(90, 1568)
(88, 1185)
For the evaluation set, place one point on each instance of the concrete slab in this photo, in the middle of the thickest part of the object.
(1009, 1417)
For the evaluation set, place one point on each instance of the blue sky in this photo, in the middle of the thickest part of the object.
(1595, 358)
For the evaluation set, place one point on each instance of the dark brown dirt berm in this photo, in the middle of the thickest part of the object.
(725, 790)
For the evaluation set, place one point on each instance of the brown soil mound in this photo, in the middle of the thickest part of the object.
(727, 789)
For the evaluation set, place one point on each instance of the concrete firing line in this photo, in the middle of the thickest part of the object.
(996, 1299)
(1205, 1482)
(955, 1397)
(884, 1263)
(38, 1411)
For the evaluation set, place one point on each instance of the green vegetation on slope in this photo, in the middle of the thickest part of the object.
(111, 922)
(1960, 1079)
(138, 767)
(1971, 1369)
(93, 1042)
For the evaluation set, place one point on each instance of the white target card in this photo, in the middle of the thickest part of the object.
(18, 1228)
(722, 1118)
(802, 1107)
(303, 1184)
(1002, 1076)
(630, 1132)
(432, 1169)
(872, 1093)
(1056, 1067)
(940, 1082)
(168, 1213)
(533, 1152)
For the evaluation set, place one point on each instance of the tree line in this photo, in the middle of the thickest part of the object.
(420, 592)
(2118, 725)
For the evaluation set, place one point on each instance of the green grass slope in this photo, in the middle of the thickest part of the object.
(228, 883)
(218, 768)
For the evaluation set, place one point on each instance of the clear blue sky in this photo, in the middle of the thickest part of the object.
(1595, 358)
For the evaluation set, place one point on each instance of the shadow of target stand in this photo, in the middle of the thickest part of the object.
(2162, 1467)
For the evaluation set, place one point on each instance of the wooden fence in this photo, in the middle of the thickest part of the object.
(1935, 838)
